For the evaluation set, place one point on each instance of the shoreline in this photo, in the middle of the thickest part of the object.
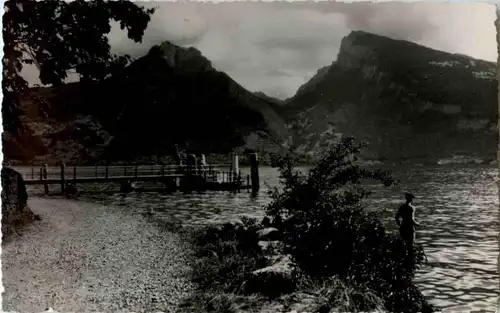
(451, 160)
(85, 256)
(125, 211)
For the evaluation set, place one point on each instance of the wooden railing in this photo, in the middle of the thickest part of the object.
(225, 173)
(222, 172)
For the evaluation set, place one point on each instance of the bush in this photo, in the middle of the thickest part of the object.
(334, 294)
(328, 233)
(212, 303)
(226, 256)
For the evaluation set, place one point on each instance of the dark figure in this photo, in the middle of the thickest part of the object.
(405, 218)
(178, 156)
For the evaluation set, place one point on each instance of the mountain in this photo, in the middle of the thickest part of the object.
(409, 102)
(310, 85)
(171, 95)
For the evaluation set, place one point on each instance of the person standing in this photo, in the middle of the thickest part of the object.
(405, 218)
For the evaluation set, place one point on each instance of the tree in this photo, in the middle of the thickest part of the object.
(59, 36)
(328, 233)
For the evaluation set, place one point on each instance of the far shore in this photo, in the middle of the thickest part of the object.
(450, 161)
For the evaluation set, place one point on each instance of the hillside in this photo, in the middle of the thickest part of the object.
(408, 101)
(411, 103)
(171, 95)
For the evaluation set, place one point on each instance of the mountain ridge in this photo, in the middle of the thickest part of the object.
(174, 95)
(399, 85)
(171, 92)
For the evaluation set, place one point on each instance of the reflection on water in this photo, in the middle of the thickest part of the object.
(457, 208)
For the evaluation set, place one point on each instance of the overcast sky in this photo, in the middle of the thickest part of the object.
(275, 47)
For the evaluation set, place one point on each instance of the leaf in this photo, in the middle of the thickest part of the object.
(59, 36)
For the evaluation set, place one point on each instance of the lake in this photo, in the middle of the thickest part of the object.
(457, 207)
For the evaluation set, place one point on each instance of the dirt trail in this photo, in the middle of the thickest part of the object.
(85, 257)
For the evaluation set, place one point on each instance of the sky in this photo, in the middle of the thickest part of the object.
(275, 47)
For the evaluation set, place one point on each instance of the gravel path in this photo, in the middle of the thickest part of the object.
(85, 257)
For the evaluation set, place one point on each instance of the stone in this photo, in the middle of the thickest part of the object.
(13, 189)
(272, 246)
(233, 224)
(269, 234)
(273, 280)
(302, 302)
(266, 222)
(15, 210)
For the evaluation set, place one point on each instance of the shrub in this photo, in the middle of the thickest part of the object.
(328, 233)
(211, 303)
(334, 294)
(226, 256)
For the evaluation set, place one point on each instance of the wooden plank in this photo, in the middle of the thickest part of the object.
(51, 173)
(99, 179)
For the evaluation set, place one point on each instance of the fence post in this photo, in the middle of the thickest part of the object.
(135, 171)
(163, 170)
(235, 164)
(238, 181)
(254, 172)
(32, 173)
(62, 178)
(45, 173)
(107, 171)
(124, 170)
(74, 174)
(192, 164)
(41, 173)
(248, 182)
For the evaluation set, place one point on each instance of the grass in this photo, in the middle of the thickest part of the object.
(223, 261)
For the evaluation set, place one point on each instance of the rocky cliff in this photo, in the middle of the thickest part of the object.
(170, 96)
(411, 103)
(408, 101)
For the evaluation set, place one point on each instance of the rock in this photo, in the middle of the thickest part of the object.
(302, 302)
(13, 189)
(233, 224)
(266, 222)
(284, 266)
(445, 80)
(273, 280)
(269, 233)
(15, 210)
(270, 246)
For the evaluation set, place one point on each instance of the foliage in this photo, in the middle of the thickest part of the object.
(211, 303)
(58, 36)
(328, 233)
(226, 256)
(334, 294)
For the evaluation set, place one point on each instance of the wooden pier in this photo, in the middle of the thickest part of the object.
(173, 177)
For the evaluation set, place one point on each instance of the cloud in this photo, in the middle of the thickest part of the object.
(254, 41)
(180, 25)
(278, 46)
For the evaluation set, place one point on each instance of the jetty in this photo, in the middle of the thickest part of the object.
(183, 177)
